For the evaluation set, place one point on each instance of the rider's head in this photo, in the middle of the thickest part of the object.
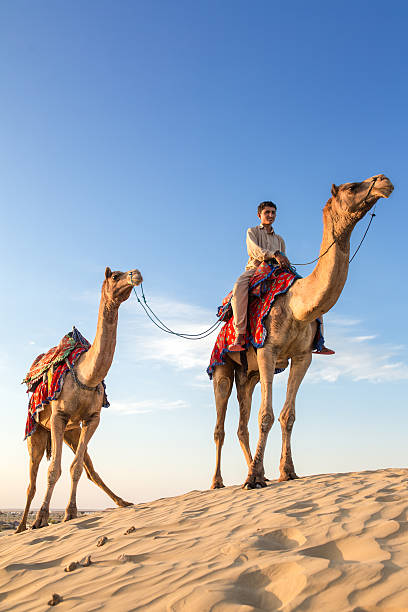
(267, 212)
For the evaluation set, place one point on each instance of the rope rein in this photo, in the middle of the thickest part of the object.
(204, 334)
(163, 327)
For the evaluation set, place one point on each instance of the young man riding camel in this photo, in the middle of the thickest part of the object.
(263, 244)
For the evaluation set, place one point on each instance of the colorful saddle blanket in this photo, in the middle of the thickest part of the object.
(46, 375)
(266, 284)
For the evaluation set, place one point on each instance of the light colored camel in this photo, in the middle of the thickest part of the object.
(74, 416)
(291, 327)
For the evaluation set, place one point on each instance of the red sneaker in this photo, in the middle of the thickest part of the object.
(239, 344)
(324, 351)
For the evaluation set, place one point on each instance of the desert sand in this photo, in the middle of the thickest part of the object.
(329, 542)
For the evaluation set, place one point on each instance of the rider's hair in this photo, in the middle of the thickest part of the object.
(265, 204)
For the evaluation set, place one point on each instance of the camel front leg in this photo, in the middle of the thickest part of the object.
(222, 382)
(298, 369)
(266, 362)
(88, 429)
(36, 445)
(58, 424)
(71, 438)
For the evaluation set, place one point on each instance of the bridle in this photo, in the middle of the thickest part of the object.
(337, 238)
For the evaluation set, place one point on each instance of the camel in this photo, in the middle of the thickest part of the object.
(74, 416)
(291, 327)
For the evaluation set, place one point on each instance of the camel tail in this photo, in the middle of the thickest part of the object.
(48, 447)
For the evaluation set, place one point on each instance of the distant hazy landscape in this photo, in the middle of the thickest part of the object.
(10, 517)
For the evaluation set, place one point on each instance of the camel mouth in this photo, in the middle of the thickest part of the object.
(383, 188)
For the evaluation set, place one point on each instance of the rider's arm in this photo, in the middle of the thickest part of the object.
(254, 250)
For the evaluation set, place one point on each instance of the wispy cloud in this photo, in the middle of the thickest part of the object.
(358, 358)
(147, 406)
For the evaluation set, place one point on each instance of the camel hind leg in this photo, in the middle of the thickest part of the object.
(223, 380)
(245, 387)
(36, 445)
(71, 438)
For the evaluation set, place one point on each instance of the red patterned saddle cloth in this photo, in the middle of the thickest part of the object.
(266, 284)
(46, 375)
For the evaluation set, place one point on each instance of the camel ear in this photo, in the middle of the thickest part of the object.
(334, 190)
(108, 272)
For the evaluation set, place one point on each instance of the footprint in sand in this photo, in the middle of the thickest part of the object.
(352, 548)
(387, 498)
(123, 558)
(280, 539)
(86, 523)
(44, 539)
(298, 509)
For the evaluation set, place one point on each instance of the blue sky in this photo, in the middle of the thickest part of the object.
(144, 135)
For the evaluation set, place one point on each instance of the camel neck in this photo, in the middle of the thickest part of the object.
(95, 363)
(315, 294)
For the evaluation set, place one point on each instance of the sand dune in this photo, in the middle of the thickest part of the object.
(330, 542)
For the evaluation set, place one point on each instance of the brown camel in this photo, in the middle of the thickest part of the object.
(74, 416)
(291, 327)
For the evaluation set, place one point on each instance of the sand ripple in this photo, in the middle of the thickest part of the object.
(334, 542)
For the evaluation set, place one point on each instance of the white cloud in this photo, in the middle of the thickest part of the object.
(147, 406)
(357, 359)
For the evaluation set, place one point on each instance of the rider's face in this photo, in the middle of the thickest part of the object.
(267, 215)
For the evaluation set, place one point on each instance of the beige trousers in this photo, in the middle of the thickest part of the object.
(239, 301)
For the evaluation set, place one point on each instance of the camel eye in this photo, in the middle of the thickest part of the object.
(115, 276)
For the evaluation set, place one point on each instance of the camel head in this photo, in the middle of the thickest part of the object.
(117, 286)
(351, 201)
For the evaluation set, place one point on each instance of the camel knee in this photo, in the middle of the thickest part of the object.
(76, 470)
(266, 421)
(219, 434)
(243, 433)
(54, 473)
(223, 387)
(287, 420)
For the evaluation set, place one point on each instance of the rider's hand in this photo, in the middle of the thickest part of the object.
(283, 261)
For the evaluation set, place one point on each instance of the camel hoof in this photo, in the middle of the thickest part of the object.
(288, 476)
(40, 521)
(124, 504)
(20, 529)
(71, 512)
(217, 484)
(254, 484)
